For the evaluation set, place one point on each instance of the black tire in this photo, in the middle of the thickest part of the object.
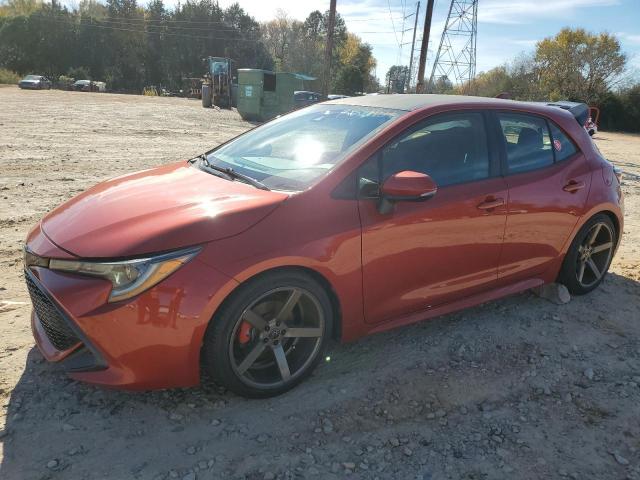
(576, 272)
(229, 347)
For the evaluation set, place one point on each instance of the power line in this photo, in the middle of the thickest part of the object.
(393, 25)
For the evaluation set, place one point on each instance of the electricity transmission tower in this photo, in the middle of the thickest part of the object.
(456, 59)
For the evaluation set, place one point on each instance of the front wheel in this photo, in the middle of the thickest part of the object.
(589, 256)
(270, 336)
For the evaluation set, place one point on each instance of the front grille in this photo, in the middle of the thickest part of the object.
(59, 333)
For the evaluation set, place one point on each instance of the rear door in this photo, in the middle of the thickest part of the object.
(548, 179)
(425, 254)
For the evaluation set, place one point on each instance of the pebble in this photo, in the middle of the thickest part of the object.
(349, 465)
(620, 459)
(52, 464)
(215, 422)
(189, 476)
(191, 450)
(589, 373)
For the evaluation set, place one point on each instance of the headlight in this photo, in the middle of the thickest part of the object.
(130, 277)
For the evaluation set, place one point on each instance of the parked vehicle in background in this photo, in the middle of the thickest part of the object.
(334, 221)
(336, 97)
(303, 98)
(591, 126)
(35, 82)
(89, 86)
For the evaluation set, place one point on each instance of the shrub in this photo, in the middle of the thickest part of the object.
(7, 76)
(64, 82)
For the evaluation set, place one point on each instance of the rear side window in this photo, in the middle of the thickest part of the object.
(563, 147)
(527, 140)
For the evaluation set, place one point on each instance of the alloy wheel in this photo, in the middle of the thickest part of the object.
(594, 254)
(277, 337)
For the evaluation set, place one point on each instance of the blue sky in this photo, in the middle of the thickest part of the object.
(505, 27)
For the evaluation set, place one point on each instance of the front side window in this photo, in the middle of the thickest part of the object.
(292, 152)
(451, 148)
(527, 141)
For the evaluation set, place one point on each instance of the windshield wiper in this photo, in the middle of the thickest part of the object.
(231, 174)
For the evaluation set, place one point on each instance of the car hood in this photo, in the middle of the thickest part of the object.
(156, 210)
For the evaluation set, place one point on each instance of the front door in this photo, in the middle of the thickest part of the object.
(424, 254)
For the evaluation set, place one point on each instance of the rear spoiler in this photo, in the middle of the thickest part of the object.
(580, 111)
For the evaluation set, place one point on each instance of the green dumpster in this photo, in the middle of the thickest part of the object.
(263, 95)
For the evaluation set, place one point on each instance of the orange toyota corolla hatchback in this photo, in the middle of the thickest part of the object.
(345, 218)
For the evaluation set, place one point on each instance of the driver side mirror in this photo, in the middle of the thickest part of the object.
(405, 186)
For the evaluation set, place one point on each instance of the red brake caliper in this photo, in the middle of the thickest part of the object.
(244, 332)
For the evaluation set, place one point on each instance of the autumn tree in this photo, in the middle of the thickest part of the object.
(579, 65)
(356, 62)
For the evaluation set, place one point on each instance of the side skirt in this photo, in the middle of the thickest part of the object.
(466, 302)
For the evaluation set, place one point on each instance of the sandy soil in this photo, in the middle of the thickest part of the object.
(519, 388)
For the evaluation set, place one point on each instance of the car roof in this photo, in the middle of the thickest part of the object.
(410, 102)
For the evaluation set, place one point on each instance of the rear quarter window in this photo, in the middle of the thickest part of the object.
(562, 144)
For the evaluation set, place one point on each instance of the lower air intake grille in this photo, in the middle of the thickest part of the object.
(57, 330)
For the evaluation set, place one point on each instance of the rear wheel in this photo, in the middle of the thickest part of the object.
(270, 336)
(589, 256)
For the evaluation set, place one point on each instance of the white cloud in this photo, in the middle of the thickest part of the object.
(264, 10)
(524, 11)
(629, 38)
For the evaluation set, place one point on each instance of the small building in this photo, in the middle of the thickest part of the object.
(263, 95)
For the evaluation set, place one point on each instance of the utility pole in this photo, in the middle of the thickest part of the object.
(329, 49)
(425, 45)
(413, 44)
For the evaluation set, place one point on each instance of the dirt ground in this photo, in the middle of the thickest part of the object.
(516, 389)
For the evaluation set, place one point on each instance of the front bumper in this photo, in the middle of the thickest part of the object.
(150, 341)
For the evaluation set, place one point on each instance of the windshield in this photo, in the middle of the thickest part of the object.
(293, 152)
(32, 77)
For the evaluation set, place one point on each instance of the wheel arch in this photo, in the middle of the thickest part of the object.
(616, 223)
(321, 279)
(610, 210)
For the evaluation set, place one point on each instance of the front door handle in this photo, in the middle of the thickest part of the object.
(490, 204)
(573, 186)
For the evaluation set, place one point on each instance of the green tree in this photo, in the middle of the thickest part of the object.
(397, 77)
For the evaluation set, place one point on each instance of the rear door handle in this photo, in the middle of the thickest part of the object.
(573, 186)
(491, 204)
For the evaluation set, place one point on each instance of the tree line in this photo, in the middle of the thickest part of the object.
(131, 46)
